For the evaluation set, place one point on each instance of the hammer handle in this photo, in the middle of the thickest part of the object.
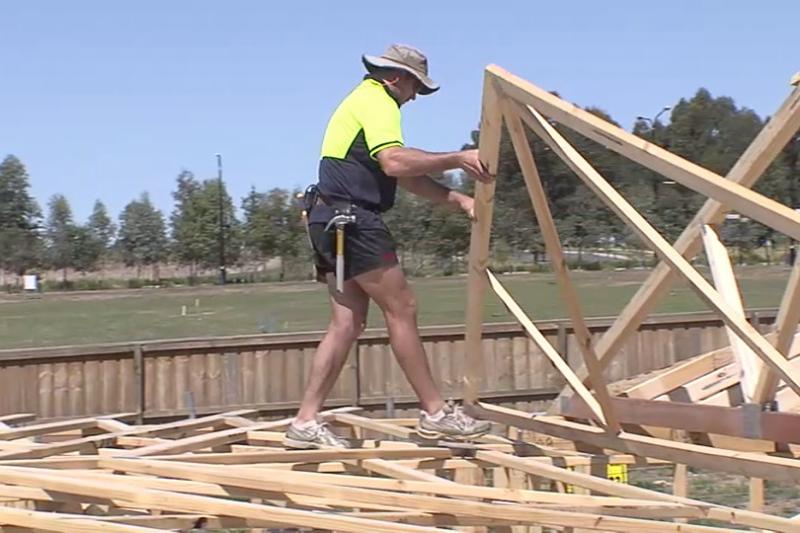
(340, 258)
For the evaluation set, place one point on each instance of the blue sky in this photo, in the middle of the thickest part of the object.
(109, 99)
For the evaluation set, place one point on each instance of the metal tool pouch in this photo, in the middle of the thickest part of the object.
(310, 198)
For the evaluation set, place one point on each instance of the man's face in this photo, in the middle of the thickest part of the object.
(407, 87)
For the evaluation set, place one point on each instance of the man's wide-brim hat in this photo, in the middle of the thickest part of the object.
(407, 58)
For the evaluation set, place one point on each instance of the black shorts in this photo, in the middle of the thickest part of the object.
(364, 250)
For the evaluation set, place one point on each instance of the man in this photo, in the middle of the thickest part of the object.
(363, 160)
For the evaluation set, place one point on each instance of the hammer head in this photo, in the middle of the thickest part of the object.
(340, 220)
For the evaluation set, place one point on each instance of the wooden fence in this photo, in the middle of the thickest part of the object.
(157, 379)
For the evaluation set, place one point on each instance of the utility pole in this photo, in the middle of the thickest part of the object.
(221, 236)
(652, 122)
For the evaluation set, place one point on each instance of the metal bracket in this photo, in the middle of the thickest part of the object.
(751, 420)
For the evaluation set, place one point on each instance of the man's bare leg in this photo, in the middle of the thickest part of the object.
(390, 290)
(348, 316)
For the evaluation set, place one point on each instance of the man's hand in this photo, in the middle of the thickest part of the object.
(467, 204)
(471, 164)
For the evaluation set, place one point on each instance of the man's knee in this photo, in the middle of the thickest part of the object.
(349, 329)
(404, 306)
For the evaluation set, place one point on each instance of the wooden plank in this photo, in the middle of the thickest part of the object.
(292, 380)
(34, 430)
(680, 482)
(60, 378)
(748, 169)
(65, 523)
(17, 418)
(374, 425)
(126, 385)
(531, 465)
(186, 522)
(734, 421)
(418, 502)
(261, 375)
(435, 486)
(664, 382)
(310, 456)
(554, 249)
(171, 501)
(110, 393)
(756, 502)
(75, 383)
(94, 442)
(743, 463)
(437, 519)
(543, 345)
(745, 201)
(45, 390)
(725, 283)
(785, 329)
(213, 381)
(716, 385)
(65, 463)
(718, 361)
(398, 471)
(179, 396)
(660, 246)
(489, 149)
(217, 438)
(209, 440)
(91, 376)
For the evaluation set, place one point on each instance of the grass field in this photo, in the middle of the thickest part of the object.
(145, 314)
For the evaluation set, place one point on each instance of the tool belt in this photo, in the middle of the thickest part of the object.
(313, 197)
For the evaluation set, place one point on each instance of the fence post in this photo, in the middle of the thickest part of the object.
(139, 384)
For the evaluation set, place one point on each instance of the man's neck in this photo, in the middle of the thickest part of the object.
(388, 88)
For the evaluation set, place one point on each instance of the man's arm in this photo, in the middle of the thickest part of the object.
(404, 162)
(428, 188)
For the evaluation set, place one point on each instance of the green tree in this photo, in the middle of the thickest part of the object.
(100, 227)
(92, 242)
(711, 132)
(211, 198)
(142, 235)
(20, 219)
(87, 249)
(410, 221)
(281, 227)
(448, 237)
(782, 183)
(259, 236)
(190, 244)
(60, 235)
(195, 221)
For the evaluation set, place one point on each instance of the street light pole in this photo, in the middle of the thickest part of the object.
(653, 121)
(221, 236)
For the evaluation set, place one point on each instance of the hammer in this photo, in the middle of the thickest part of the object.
(340, 221)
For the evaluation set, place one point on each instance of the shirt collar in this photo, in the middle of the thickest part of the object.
(382, 84)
